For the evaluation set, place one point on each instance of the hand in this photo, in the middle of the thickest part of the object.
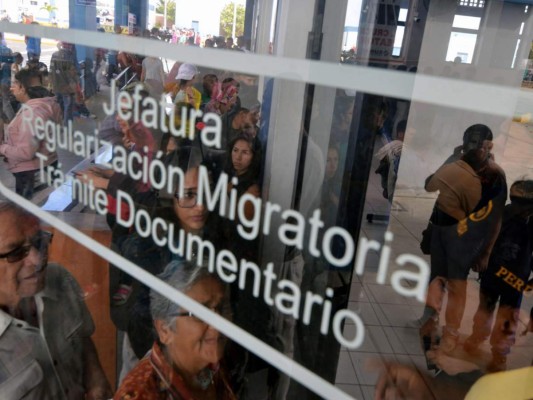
(399, 381)
(481, 263)
(127, 142)
(190, 95)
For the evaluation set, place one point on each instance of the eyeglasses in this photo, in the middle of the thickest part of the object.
(188, 200)
(40, 241)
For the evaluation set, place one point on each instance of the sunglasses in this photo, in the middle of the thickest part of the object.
(40, 241)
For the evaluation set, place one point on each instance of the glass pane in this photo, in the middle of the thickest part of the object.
(250, 219)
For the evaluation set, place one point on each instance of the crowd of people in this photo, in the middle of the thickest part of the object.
(240, 156)
(168, 352)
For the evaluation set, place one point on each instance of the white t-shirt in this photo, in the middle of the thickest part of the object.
(153, 69)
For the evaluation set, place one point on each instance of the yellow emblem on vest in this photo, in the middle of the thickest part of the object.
(481, 214)
(462, 227)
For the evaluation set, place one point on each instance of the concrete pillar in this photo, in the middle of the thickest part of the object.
(121, 12)
(499, 33)
(249, 19)
(140, 9)
(82, 17)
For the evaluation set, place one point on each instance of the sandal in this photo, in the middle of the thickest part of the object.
(122, 295)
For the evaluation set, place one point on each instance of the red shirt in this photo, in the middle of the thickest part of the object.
(155, 379)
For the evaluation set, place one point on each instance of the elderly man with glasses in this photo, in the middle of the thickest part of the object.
(46, 351)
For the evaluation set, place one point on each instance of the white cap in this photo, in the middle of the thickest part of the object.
(187, 72)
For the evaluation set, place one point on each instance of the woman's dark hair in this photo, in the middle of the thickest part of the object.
(30, 80)
(185, 157)
(251, 176)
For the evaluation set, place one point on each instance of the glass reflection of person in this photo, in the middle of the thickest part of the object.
(64, 78)
(184, 362)
(472, 184)
(136, 138)
(389, 156)
(182, 90)
(403, 382)
(188, 216)
(46, 350)
(331, 187)
(21, 146)
(244, 162)
(318, 275)
(505, 279)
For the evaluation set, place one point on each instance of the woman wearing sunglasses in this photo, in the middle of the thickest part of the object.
(183, 210)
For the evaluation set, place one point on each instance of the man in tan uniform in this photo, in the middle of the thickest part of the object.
(466, 221)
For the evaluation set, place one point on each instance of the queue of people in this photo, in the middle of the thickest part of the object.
(31, 90)
(170, 353)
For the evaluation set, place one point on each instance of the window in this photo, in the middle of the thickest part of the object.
(263, 212)
(472, 3)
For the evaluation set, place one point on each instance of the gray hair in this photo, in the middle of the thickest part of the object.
(181, 275)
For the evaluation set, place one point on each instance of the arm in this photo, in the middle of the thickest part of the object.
(24, 145)
(498, 204)
(431, 184)
(398, 381)
(482, 261)
(249, 208)
(96, 385)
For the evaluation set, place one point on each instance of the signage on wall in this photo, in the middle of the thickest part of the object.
(377, 35)
(382, 41)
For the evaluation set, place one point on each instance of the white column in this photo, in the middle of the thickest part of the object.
(294, 22)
